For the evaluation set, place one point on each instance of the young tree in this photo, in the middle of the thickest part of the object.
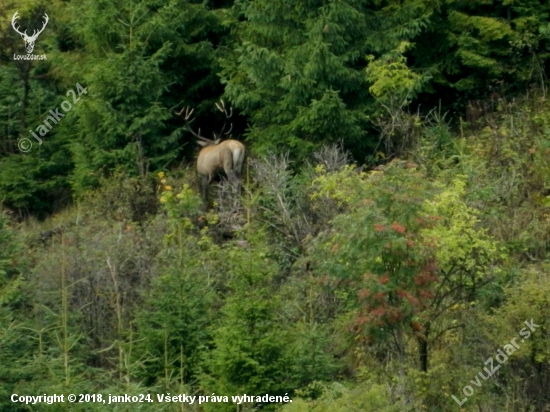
(407, 250)
(173, 326)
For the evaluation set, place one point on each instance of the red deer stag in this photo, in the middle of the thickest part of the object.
(216, 155)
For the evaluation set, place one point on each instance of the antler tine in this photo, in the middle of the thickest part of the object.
(46, 19)
(221, 107)
(186, 117)
(197, 135)
(13, 20)
(188, 113)
(223, 128)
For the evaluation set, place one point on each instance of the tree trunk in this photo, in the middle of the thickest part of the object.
(423, 348)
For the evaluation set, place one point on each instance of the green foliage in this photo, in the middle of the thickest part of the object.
(399, 279)
(422, 253)
(296, 71)
(8, 250)
(389, 265)
(505, 157)
(527, 299)
(35, 182)
(10, 298)
(130, 59)
(249, 353)
(122, 121)
(393, 82)
(173, 324)
(339, 398)
(480, 41)
(256, 350)
(459, 241)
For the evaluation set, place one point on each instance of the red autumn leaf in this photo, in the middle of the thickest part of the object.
(425, 294)
(398, 228)
(407, 296)
(379, 228)
(420, 279)
(363, 293)
(416, 326)
(395, 315)
(378, 312)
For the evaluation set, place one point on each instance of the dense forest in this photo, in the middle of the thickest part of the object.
(388, 249)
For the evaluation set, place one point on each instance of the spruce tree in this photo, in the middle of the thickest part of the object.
(297, 71)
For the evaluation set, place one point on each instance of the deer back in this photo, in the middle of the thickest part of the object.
(225, 155)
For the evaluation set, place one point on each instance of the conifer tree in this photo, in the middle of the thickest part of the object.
(33, 176)
(478, 47)
(139, 61)
(296, 70)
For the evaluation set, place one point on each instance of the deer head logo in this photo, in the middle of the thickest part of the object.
(29, 40)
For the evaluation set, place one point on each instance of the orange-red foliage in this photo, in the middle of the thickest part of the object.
(398, 228)
(379, 228)
(416, 326)
(363, 293)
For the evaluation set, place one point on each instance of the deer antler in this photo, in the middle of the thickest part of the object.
(221, 107)
(13, 19)
(24, 34)
(46, 20)
(186, 117)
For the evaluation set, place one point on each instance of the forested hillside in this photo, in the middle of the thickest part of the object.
(388, 250)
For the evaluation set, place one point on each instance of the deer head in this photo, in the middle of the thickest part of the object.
(203, 141)
(29, 40)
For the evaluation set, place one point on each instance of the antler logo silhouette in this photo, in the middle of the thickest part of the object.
(29, 40)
